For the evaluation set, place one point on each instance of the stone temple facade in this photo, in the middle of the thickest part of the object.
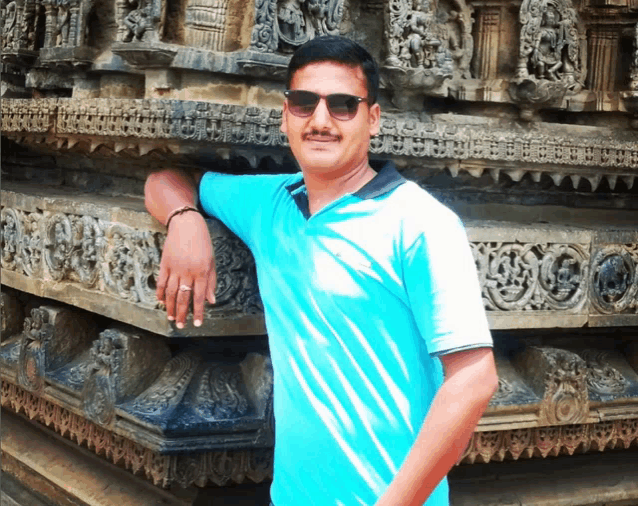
(522, 116)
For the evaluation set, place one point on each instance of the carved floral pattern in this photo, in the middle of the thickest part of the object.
(220, 395)
(238, 125)
(21, 241)
(602, 377)
(518, 277)
(219, 468)
(115, 258)
(170, 386)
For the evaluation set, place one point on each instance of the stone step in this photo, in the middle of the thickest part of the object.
(584, 480)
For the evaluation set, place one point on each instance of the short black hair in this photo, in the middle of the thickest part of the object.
(340, 50)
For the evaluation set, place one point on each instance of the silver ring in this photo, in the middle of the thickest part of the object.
(185, 288)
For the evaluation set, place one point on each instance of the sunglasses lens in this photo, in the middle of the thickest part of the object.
(342, 106)
(302, 103)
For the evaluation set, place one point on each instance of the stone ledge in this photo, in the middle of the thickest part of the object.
(169, 124)
(584, 480)
(102, 254)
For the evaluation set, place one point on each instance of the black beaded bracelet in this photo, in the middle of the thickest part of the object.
(179, 210)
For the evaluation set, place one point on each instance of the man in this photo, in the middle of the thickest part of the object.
(369, 287)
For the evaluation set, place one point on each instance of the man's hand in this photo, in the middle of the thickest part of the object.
(187, 261)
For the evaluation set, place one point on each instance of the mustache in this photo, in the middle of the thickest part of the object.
(320, 135)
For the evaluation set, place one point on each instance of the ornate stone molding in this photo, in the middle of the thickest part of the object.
(224, 467)
(129, 382)
(219, 467)
(549, 386)
(550, 441)
(164, 125)
(102, 259)
(530, 276)
(524, 277)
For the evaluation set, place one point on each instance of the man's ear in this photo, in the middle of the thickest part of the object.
(374, 119)
(284, 113)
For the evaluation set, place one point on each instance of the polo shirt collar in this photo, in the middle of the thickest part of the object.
(386, 180)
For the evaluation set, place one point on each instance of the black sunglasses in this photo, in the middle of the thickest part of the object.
(341, 106)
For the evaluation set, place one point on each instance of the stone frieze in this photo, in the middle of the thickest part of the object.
(89, 259)
(550, 441)
(220, 468)
(531, 276)
(165, 125)
(130, 383)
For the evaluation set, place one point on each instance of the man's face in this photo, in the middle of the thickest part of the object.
(320, 143)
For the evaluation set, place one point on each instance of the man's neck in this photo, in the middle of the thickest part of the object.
(324, 189)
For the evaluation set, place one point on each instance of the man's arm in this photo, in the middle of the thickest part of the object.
(470, 382)
(187, 256)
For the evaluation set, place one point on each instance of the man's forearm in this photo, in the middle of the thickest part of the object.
(455, 412)
(168, 190)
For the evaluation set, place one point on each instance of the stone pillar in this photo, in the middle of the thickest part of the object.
(487, 42)
(51, 21)
(603, 53)
(75, 28)
(120, 14)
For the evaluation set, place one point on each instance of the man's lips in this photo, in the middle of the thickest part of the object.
(321, 138)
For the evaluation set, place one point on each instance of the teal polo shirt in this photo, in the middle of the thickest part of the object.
(360, 299)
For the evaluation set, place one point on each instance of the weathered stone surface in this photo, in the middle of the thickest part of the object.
(85, 251)
(129, 383)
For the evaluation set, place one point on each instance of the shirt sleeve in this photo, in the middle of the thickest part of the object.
(443, 288)
(241, 202)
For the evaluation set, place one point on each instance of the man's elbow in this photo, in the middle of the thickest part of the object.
(490, 380)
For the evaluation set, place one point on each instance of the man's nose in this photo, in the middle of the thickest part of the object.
(321, 115)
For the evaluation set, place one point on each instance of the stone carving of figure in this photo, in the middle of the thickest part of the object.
(548, 46)
(63, 23)
(421, 43)
(292, 24)
(138, 21)
(300, 20)
(9, 23)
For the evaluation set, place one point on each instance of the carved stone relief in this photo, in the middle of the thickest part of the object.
(427, 43)
(559, 378)
(169, 388)
(519, 277)
(602, 377)
(116, 259)
(123, 365)
(614, 279)
(22, 22)
(12, 315)
(550, 441)
(218, 467)
(51, 338)
(284, 25)
(150, 122)
(552, 54)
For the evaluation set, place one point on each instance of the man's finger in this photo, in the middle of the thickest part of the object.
(171, 294)
(184, 293)
(199, 295)
(162, 278)
(212, 284)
